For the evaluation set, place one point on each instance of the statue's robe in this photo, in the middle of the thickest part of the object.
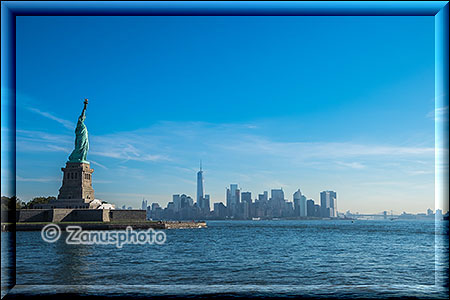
(81, 142)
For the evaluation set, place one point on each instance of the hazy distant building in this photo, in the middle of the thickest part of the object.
(206, 204)
(317, 212)
(220, 211)
(200, 190)
(148, 212)
(186, 201)
(328, 204)
(299, 204)
(246, 205)
(144, 204)
(277, 203)
(233, 199)
(288, 210)
(246, 197)
(303, 207)
(260, 207)
(171, 207)
(181, 208)
(176, 199)
(264, 197)
(277, 195)
(333, 203)
(296, 197)
(156, 212)
(310, 208)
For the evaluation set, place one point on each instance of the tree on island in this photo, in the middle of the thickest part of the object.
(39, 200)
(8, 203)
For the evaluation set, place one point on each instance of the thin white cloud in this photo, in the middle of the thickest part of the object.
(66, 123)
(40, 136)
(251, 126)
(122, 153)
(327, 150)
(125, 146)
(58, 148)
(352, 165)
(421, 172)
(38, 141)
(22, 179)
(179, 142)
(98, 164)
(133, 145)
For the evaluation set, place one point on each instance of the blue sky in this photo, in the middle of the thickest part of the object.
(340, 103)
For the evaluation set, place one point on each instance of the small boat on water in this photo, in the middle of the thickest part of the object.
(256, 219)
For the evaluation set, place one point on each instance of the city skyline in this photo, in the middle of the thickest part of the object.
(240, 205)
(260, 106)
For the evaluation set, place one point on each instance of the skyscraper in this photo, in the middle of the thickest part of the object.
(333, 203)
(246, 204)
(200, 187)
(277, 202)
(297, 195)
(299, 204)
(264, 197)
(246, 197)
(328, 204)
(303, 208)
(310, 208)
(220, 210)
(233, 199)
(277, 195)
(144, 204)
(206, 204)
(317, 210)
(324, 204)
(177, 202)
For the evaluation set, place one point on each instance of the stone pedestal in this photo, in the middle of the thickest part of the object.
(77, 183)
(76, 190)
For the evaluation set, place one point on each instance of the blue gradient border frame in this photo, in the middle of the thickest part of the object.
(11, 9)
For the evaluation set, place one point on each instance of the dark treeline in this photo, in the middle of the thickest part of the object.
(8, 203)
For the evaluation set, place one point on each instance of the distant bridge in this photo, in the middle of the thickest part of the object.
(383, 215)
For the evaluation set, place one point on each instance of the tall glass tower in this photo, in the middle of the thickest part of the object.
(200, 191)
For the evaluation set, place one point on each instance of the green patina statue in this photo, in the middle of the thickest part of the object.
(81, 139)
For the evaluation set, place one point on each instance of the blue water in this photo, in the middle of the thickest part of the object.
(297, 257)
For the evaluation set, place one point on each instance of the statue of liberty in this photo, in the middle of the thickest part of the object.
(81, 139)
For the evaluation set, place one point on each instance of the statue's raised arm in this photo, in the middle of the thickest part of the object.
(83, 116)
(81, 139)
